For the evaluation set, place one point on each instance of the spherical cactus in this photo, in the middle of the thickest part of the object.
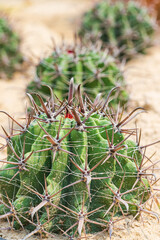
(72, 168)
(124, 27)
(95, 70)
(10, 56)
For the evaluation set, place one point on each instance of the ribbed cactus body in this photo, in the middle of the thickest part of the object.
(10, 56)
(80, 169)
(123, 27)
(96, 71)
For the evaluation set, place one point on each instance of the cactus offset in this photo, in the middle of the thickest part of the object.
(124, 27)
(72, 164)
(95, 70)
(10, 56)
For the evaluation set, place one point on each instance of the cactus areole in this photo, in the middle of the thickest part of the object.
(125, 27)
(72, 168)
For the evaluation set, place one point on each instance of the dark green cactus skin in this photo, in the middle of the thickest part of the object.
(122, 26)
(80, 143)
(55, 173)
(10, 56)
(96, 71)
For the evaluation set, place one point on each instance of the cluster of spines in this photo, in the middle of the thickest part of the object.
(60, 190)
(124, 27)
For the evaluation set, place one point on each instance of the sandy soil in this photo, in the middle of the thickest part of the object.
(38, 22)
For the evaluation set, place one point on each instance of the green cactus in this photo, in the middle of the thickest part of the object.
(10, 56)
(95, 70)
(124, 27)
(71, 164)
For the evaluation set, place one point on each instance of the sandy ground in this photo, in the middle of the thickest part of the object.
(38, 22)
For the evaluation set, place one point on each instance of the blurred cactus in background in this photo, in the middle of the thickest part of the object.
(125, 27)
(10, 56)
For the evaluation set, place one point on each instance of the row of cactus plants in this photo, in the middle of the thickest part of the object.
(124, 28)
(72, 168)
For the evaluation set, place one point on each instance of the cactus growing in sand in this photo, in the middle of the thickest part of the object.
(10, 56)
(126, 28)
(95, 70)
(72, 168)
